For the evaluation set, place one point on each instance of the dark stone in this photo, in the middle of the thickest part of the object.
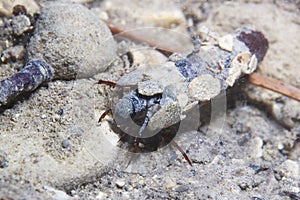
(256, 42)
(65, 143)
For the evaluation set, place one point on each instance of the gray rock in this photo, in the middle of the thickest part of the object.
(65, 143)
(73, 40)
(149, 88)
(182, 188)
(20, 24)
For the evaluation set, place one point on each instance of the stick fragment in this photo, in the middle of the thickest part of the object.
(275, 85)
(35, 73)
(116, 30)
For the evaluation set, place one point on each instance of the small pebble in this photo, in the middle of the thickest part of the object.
(43, 116)
(56, 117)
(60, 112)
(56, 194)
(15, 117)
(233, 74)
(182, 188)
(280, 146)
(13, 53)
(243, 186)
(120, 183)
(204, 87)
(166, 116)
(226, 42)
(128, 188)
(170, 184)
(101, 195)
(21, 24)
(148, 56)
(141, 182)
(149, 88)
(65, 143)
(289, 169)
(73, 192)
(257, 150)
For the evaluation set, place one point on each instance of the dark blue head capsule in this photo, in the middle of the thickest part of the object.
(134, 107)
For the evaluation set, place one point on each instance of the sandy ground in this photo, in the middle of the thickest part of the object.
(51, 146)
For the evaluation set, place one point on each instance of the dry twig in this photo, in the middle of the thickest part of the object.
(116, 30)
(275, 85)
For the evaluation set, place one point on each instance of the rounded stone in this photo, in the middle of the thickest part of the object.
(65, 143)
(149, 88)
(167, 115)
(289, 169)
(74, 41)
(204, 87)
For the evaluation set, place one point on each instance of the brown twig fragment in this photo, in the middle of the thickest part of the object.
(254, 78)
(116, 30)
(275, 85)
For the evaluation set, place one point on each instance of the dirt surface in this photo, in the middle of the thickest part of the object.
(51, 146)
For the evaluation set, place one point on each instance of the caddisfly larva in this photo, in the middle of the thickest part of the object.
(150, 102)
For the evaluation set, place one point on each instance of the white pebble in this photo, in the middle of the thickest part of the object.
(226, 42)
(257, 150)
(120, 183)
(101, 195)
